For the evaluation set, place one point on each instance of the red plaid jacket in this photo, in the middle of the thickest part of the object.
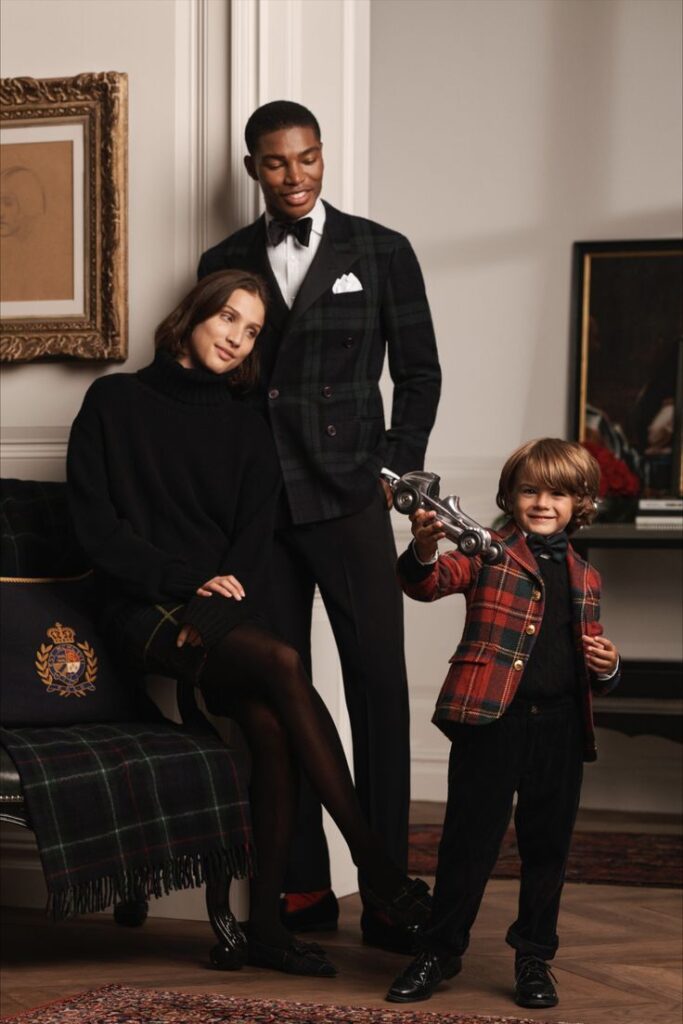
(505, 605)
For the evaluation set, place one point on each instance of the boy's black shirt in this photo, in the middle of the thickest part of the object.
(551, 669)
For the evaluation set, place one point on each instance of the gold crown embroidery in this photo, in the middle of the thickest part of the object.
(66, 667)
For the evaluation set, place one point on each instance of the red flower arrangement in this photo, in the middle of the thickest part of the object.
(615, 476)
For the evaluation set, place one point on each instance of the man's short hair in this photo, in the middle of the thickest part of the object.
(272, 117)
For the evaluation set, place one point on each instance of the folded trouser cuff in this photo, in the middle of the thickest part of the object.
(525, 946)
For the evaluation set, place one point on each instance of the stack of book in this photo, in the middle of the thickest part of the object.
(660, 514)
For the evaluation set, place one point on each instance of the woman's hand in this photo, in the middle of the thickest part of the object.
(188, 635)
(226, 586)
(601, 654)
(427, 531)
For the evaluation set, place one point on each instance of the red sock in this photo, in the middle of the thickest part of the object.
(301, 900)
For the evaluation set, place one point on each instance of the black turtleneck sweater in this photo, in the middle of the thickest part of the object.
(171, 482)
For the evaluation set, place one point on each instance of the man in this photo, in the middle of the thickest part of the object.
(343, 292)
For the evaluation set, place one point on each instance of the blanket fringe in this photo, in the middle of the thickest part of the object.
(148, 880)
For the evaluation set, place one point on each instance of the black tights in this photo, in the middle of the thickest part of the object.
(261, 682)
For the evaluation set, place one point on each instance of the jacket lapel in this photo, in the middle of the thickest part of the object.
(336, 253)
(515, 545)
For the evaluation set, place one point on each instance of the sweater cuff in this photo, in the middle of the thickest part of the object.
(181, 581)
(411, 569)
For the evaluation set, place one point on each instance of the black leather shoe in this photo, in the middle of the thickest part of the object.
(533, 985)
(318, 917)
(298, 958)
(393, 938)
(411, 904)
(421, 977)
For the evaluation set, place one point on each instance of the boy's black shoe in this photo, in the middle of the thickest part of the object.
(421, 977)
(321, 916)
(533, 985)
(378, 931)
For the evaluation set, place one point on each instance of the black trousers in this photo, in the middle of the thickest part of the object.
(352, 560)
(535, 751)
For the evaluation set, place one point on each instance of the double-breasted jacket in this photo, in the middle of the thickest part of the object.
(322, 360)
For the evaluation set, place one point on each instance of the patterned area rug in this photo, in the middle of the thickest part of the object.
(604, 858)
(119, 1004)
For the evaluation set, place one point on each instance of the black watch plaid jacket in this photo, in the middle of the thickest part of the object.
(321, 362)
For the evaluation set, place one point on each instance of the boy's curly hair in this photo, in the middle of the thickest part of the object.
(556, 464)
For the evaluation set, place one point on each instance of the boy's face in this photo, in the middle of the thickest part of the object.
(288, 165)
(540, 509)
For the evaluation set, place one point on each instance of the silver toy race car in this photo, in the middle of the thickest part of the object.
(420, 489)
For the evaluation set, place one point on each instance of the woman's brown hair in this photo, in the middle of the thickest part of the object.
(207, 298)
(556, 464)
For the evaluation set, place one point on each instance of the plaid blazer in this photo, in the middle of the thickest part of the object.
(321, 362)
(505, 605)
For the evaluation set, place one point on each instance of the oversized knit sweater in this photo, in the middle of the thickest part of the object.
(172, 482)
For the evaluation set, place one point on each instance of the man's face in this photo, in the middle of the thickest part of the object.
(288, 165)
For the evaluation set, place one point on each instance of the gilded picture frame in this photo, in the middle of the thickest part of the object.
(627, 335)
(63, 218)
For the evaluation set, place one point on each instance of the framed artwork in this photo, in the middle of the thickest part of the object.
(63, 209)
(627, 326)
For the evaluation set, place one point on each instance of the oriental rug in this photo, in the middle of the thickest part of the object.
(596, 858)
(120, 1004)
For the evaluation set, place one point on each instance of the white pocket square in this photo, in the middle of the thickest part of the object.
(346, 283)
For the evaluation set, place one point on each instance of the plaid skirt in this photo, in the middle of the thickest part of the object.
(141, 639)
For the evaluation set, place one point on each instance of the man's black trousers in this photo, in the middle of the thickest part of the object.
(536, 751)
(352, 560)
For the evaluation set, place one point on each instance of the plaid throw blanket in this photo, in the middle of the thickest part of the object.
(125, 812)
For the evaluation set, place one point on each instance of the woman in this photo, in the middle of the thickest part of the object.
(173, 487)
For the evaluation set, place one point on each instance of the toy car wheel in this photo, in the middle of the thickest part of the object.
(469, 543)
(406, 499)
(494, 553)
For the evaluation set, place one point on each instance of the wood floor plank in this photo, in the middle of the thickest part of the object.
(607, 973)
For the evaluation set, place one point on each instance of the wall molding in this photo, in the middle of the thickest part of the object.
(191, 134)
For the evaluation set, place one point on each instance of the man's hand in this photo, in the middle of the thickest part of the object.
(427, 531)
(226, 586)
(601, 654)
(188, 635)
(388, 493)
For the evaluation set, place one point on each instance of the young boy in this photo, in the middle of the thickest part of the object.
(516, 704)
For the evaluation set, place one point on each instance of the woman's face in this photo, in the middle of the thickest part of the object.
(222, 342)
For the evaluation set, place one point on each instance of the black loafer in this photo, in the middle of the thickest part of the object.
(533, 984)
(392, 938)
(410, 905)
(318, 917)
(298, 958)
(421, 977)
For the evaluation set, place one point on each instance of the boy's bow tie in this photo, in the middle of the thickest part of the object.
(301, 229)
(554, 546)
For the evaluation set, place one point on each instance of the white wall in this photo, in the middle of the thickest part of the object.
(501, 132)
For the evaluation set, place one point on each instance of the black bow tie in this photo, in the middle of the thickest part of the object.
(301, 229)
(554, 547)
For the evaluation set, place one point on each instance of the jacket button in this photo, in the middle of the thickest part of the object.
(274, 393)
(534, 709)
(326, 391)
(348, 343)
(518, 665)
(530, 630)
(331, 430)
(536, 595)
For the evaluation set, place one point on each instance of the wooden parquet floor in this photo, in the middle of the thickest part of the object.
(619, 963)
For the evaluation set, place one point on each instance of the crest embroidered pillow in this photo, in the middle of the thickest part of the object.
(54, 669)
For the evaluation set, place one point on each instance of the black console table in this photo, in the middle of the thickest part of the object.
(649, 699)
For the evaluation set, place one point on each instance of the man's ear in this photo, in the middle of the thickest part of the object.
(250, 167)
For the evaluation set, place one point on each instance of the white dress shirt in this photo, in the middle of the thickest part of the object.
(290, 260)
